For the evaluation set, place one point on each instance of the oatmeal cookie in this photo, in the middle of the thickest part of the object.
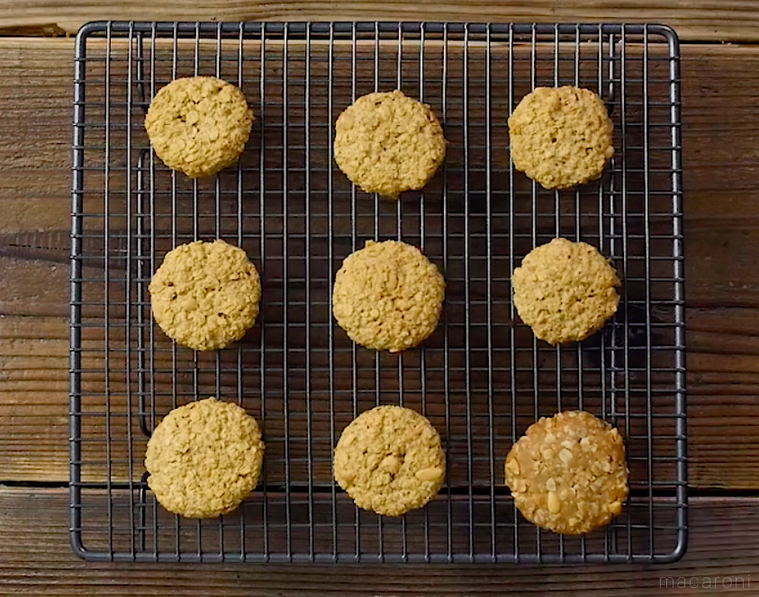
(390, 460)
(205, 295)
(204, 458)
(198, 125)
(568, 473)
(561, 136)
(388, 296)
(565, 291)
(388, 143)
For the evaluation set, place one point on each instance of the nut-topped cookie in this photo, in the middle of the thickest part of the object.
(565, 291)
(388, 296)
(388, 143)
(390, 460)
(204, 458)
(561, 136)
(198, 125)
(567, 473)
(205, 295)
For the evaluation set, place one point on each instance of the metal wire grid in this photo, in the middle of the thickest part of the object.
(481, 379)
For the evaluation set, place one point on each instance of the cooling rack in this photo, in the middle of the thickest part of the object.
(481, 379)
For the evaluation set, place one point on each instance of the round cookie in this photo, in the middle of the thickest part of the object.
(204, 458)
(561, 136)
(388, 296)
(390, 460)
(388, 143)
(567, 473)
(198, 125)
(205, 294)
(565, 291)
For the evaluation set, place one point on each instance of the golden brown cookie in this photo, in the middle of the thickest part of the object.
(568, 474)
(204, 458)
(388, 296)
(389, 460)
(388, 143)
(565, 291)
(205, 294)
(561, 136)
(198, 125)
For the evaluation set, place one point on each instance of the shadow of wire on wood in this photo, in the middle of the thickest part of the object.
(481, 379)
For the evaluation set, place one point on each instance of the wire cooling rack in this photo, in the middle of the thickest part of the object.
(481, 379)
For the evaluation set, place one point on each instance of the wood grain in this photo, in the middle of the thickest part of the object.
(729, 20)
(722, 250)
(35, 558)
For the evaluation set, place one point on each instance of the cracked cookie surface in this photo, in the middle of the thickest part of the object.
(567, 473)
(565, 291)
(205, 295)
(390, 460)
(198, 125)
(204, 458)
(561, 137)
(388, 296)
(388, 143)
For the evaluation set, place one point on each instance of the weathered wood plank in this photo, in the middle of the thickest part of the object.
(697, 19)
(35, 557)
(723, 315)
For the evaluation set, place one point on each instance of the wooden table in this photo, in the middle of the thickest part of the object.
(720, 103)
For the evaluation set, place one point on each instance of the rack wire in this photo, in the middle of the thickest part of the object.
(481, 379)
